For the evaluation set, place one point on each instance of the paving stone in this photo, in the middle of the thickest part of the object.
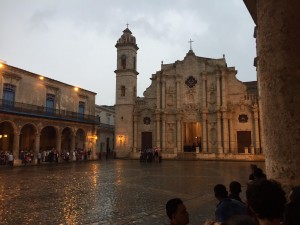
(115, 192)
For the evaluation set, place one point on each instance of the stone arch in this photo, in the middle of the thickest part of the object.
(28, 135)
(48, 139)
(7, 131)
(66, 139)
(80, 139)
(123, 61)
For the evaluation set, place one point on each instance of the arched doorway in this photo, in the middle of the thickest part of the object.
(6, 137)
(66, 139)
(192, 136)
(27, 138)
(48, 138)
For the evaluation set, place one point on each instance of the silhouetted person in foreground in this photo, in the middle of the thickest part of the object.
(259, 174)
(235, 188)
(240, 220)
(292, 210)
(227, 207)
(266, 199)
(253, 168)
(176, 211)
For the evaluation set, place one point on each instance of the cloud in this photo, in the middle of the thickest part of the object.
(73, 40)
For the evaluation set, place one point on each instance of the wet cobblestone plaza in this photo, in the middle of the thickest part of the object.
(113, 191)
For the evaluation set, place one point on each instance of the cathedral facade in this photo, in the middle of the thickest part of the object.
(195, 107)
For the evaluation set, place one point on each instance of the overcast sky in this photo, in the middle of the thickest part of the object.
(73, 41)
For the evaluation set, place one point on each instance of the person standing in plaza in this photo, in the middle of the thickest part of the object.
(10, 159)
(176, 211)
(39, 157)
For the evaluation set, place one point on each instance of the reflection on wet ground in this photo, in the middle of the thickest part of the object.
(112, 192)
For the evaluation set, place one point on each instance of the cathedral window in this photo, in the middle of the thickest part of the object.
(122, 91)
(191, 81)
(147, 120)
(243, 118)
(123, 61)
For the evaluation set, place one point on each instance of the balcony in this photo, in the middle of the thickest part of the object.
(23, 109)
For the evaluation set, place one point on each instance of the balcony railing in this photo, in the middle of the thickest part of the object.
(41, 111)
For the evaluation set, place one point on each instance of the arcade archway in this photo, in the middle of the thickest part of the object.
(48, 138)
(27, 138)
(6, 137)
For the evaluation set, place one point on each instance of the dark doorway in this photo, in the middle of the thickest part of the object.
(243, 140)
(146, 140)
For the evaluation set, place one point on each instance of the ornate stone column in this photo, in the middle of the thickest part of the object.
(219, 132)
(178, 99)
(58, 143)
(204, 130)
(163, 93)
(225, 132)
(204, 114)
(179, 133)
(211, 126)
(135, 137)
(224, 90)
(231, 134)
(157, 120)
(36, 147)
(157, 92)
(16, 145)
(163, 135)
(218, 91)
(256, 129)
(204, 91)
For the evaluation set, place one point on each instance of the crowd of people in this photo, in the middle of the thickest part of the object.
(44, 156)
(151, 155)
(50, 155)
(6, 158)
(266, 204)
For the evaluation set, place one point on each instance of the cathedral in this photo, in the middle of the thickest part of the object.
(193, 108)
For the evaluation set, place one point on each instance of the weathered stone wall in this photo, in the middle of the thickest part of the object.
(278, 49)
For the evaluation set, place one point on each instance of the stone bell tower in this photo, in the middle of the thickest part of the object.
(126, 82)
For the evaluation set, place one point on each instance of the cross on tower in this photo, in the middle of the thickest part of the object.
(190, 41)
(127, 24)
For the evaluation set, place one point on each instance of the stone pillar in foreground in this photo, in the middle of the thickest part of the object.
(278, 50)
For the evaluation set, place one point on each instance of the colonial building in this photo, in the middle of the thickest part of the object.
(106, 128)
(38, 113)
(195, 107)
